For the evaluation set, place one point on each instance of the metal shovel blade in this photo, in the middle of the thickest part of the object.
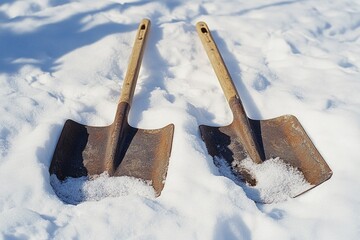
(84, 150)
(282, 137)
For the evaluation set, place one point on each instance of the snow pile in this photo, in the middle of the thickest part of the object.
(76, 190)
(276, 181)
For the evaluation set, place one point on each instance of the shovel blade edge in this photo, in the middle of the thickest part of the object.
(286, 138)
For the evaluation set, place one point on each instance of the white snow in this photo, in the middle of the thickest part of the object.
(95, 188)
(276, 181)
(67, 60)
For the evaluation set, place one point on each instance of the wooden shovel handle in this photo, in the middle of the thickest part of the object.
(128, 87)
(240, 119)
(216, 61)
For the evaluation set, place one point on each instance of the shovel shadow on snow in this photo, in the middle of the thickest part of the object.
(158, 70)
(235, 72)
(43, 46)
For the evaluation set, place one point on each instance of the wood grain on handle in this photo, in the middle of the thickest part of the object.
(216, 61)
(128, 87)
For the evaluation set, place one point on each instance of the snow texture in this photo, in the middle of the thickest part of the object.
(95, 188)
(67, 60)
(276, 181)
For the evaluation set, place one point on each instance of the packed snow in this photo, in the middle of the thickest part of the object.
(275, 180)
(95, 188)
(67, 60)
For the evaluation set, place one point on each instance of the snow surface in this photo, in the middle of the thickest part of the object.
(67, 59)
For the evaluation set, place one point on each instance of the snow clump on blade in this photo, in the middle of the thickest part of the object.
(276, 181)
(77, 190)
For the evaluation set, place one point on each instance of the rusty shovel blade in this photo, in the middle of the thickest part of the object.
(119, 149)
(85, 151)
(282, 137)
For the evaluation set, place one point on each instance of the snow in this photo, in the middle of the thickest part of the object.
(67, 59)
(95, 188)
(276, 181)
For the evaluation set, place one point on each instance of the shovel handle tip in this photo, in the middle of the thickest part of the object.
(216, 61)
(128, 87)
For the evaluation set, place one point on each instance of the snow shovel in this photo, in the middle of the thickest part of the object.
(282, 137)
(119, 149)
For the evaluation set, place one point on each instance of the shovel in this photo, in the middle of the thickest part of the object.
(119, 149)
(282, 137)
